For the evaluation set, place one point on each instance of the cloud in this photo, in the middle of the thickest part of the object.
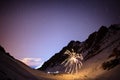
(32, 62)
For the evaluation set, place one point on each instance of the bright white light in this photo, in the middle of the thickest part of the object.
(73, 59)
(73, 63)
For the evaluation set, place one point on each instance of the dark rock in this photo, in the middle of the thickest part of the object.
(2, 49)
(115, 27)
(60, 57)
(89, 48)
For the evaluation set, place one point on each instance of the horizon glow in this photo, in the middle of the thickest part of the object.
(39, 29)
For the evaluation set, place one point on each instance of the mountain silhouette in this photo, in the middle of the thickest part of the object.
(13, 69)
(98, 42)
(96, 58)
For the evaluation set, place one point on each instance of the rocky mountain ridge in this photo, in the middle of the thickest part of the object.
(97, 42)
(97, 58)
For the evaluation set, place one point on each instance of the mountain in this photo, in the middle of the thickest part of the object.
(13, 69)
(100, 52)
(96, 58)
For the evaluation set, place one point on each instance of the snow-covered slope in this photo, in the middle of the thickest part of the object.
(100, 53)
(13, 69)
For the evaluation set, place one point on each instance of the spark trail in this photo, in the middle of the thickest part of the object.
(73, 63)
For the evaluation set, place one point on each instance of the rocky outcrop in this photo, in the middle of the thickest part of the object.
(58, 58)
(96, 42)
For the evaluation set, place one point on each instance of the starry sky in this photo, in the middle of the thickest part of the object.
(34, 30)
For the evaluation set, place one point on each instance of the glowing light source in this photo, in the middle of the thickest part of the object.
(73, 59)
(73, 63)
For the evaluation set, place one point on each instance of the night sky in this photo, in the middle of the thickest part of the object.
(33, 31)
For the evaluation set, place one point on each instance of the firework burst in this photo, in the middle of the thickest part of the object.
(73, 63)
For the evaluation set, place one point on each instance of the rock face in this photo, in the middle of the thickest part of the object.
(96, 58)
(96, 43)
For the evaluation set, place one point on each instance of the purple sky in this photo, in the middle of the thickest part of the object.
(39, 29)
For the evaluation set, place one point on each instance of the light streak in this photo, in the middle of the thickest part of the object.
(73, 63)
